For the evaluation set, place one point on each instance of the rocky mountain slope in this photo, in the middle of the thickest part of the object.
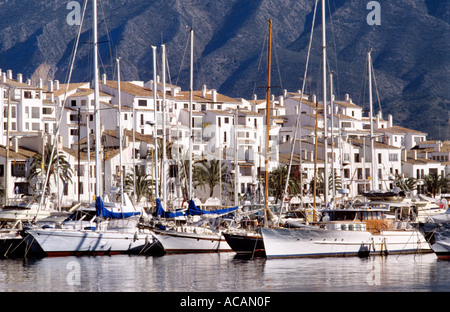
(410, 48)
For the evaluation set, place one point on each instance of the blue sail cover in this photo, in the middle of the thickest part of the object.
(105, 213)
(193, 210)
(160, 212)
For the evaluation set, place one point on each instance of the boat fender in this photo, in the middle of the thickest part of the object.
(136, 236)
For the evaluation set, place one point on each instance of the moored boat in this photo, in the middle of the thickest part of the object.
(345, 232)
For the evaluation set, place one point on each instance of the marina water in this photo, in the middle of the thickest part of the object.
(225, 273)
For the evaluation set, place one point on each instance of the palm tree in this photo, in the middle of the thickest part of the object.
(409, 183)
(143, 185)
(321, 183)
(277, 180)
(57, 164)
(208, 173)
(436, 183)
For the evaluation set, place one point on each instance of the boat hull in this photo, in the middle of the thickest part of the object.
(178, 242)
(441, 245)
(312, 242)
(246, 245)
(60, 242)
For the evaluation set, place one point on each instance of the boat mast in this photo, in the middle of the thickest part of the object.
(164, 185)
(7, 147)
(155, 91)
(324, 87)
(120, 131)
(267, 122)
(191, 90)
(96, 104)
(374, 169)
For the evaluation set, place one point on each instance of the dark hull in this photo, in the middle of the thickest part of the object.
(246, 245)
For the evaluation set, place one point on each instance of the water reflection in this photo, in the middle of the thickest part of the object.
(224, 272)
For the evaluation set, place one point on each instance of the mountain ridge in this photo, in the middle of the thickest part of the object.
(410, 49)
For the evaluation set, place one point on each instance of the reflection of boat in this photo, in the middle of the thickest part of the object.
(345, 232)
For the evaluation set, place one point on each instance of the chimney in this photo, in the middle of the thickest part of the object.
(15, 144)
(204, 91)
(281, 100)
(29, 82)
(56, 85)
(347, 98)
(313, 98)
(9, 74)
(4, 77)
(50, 86)
(214, 95)
(285, 93)
(19, 78)
(40, 84)
(389, 121)
(255, 97)
(104, 78)
(404, 155)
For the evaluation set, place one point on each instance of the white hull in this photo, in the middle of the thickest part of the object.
(311, 242)
(179, 242)
(63, 242)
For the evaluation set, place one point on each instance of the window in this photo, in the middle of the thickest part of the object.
(46, 111)
(73, 103)
(18, 169)
(73, 131)
(379, 159)
(35, 112)
(27, 95)
(357, 159)
(393, 157)
(227, 120)
(142, 103)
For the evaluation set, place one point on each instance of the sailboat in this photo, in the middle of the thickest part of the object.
(116, 228)
(353, 231)
(201, 234)
(250, 243)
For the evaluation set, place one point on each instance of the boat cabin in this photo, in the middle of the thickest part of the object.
(363, 219)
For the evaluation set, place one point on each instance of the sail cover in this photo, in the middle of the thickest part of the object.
(160, 212)
(193, 210)
(105, 213)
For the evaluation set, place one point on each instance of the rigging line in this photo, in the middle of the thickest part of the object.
(62, 108)
(167, 66)
(376, 88)
(182, 59)
(335, 49)
(297, 122)
(107, 33)
(260, 59)
(362, 90)
(278, 65)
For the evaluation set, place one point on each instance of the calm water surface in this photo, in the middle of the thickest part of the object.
(224, 272)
